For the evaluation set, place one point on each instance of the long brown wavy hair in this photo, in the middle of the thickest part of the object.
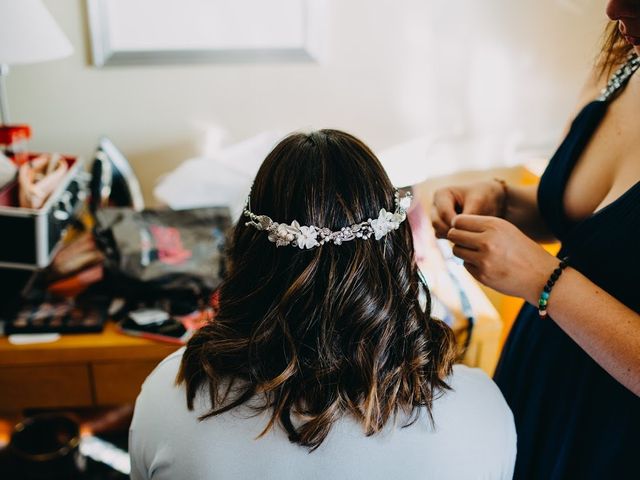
(614, 50)
(317, 334)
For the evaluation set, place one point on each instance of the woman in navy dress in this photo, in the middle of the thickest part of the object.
(572, 377)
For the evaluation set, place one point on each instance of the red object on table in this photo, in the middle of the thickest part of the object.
(13, 142)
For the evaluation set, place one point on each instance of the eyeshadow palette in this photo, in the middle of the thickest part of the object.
(57, 317)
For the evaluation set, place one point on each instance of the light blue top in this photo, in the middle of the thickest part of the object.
(474, 438)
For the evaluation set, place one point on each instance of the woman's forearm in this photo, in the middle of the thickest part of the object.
(522, 210)
(502, 257)
(603, 327)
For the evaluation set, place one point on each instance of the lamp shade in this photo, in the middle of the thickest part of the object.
(29, 33)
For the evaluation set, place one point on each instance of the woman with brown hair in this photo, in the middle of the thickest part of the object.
(322, 362)
(570, 369)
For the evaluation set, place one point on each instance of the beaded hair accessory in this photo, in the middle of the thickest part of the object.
(306, 237)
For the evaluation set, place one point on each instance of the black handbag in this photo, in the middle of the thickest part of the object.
(163, 254)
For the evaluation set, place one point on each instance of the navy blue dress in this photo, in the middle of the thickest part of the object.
(575, 421)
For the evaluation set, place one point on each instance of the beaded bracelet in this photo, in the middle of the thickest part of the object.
(544, 296)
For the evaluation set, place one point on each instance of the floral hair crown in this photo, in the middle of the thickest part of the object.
(311, 236)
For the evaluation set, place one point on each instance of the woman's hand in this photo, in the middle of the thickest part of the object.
(480, 198)
(500, 256)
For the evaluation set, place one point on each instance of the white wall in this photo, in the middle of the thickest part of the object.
(502, 73)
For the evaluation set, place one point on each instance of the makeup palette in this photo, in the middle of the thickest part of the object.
(64, 316)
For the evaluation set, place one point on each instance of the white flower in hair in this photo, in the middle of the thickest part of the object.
(385, 222)
(306, 237)
(405, 203)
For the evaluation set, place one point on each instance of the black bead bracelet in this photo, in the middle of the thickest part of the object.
(546, 291)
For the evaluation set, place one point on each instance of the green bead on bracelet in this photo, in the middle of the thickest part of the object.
(544, 295)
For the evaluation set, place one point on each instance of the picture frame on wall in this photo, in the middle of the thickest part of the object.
(151, 32)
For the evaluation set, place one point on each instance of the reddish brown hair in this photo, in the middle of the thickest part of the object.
(614, 50)
(318, 334)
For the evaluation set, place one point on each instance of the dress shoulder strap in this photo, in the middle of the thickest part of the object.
(620, 78)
